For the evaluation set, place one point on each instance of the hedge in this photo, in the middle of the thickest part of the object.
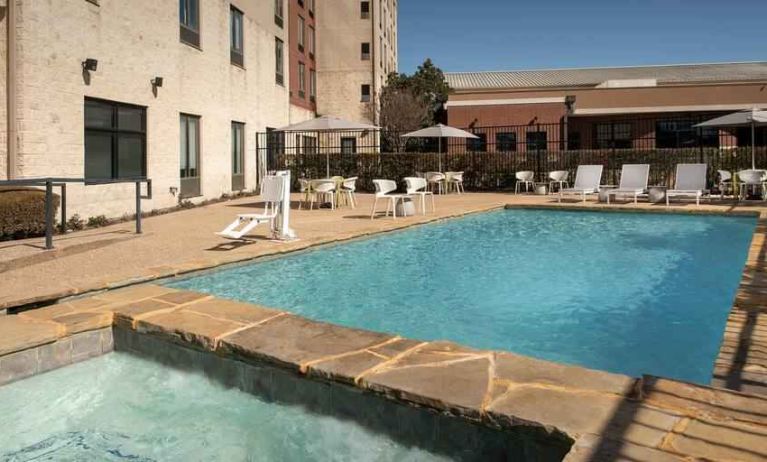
(22, 212)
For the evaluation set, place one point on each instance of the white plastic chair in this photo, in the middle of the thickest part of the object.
(271, 194)
(417, 187)
(587, 180)
(751, 178)
(323, 189)
(349, 188)
(383, 190)
(456, 180)
(690, 181)
(559, 178)
(725, 182)
(304, 188)
(526, 178)
(634, 179)
(435, 179)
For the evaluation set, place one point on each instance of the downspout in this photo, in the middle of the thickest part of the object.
(10, 90)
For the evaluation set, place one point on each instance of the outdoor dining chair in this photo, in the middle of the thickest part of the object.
(417, 187)
(559, 178)
(525, 178)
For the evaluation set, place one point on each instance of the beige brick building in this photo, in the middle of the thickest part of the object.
(225, 75)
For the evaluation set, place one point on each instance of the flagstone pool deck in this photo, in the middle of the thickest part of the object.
(607, 416)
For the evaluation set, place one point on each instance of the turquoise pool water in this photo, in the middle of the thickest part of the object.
(120, 407)
(623, 292)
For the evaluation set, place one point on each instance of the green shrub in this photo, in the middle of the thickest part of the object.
(98, 221)
(22, 212)
(75, 223)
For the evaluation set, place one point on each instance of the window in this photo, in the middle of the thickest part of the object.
(381, 51)
(312, 85)
(312, 38)
(189, 19)
(115, 140)
(613, 135)
(236, 52)
(506, 142)
(278, 12)
(279, 74)
(311, 7)
(680, 133)
(365, 51)
(189, 156)
(478, 144)
(348, 145)
(301, 33)
(238, 156)
(364, 10)
(536, 141)
(309, 144)
(365, 93)
(301, 80)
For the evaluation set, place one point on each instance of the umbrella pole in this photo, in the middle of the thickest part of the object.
(753, 146)
(439, 154)
(327, 164)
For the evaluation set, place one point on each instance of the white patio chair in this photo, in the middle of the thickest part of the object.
(383, 190)
(725, 183)
(417, 187)
(456, 180)
(526, 178)
(323, 189)
(271, 194)
(348, 189)
(751, 178)
(690, 181)
(304, 188)
(587, 180)
(559, 178)
(633, 181)
(435, 179)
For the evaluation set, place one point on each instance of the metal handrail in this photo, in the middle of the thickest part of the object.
(61, 182)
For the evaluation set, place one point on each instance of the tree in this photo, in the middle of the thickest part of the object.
(427, 83)
(401, 110)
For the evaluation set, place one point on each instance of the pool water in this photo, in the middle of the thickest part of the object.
(634, 293)
(121, 407)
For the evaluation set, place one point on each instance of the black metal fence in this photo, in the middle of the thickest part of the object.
(491, 161)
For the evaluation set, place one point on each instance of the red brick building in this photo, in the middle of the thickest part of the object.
(302, 54)
(622, 107)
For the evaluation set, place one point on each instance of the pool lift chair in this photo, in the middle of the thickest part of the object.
(275, 192)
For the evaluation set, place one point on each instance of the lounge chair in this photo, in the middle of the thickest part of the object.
(587, 179)
(417, 187)
(690, 182)
(271, 194)
(633, 181)
(383, 190)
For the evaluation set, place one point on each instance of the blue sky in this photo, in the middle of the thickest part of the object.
(474, 35)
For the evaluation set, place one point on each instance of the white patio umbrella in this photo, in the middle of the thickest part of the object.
(750, 117)
(440, 131)
(327, 124)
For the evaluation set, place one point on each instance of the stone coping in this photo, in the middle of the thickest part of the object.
(606, 415)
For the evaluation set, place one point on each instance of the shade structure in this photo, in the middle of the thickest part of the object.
(440, 131)
(748, 118)
(326, 124)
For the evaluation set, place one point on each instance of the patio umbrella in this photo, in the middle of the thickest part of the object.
(326, 124)
(440, 131)
(748, 118)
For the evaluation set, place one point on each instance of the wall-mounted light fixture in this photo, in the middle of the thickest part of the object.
(156, 82)
(90, 64)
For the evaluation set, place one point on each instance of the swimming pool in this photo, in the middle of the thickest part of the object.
(624, 292)
(123, 407)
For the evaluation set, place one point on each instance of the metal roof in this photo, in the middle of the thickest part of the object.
(585, 77)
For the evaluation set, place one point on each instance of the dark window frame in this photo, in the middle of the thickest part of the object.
(189, 33)
(279, 61)
(364, 10)
(301, 71)
(279, 13)
(610, 141)
(675, 135)
(533, 144)
(345, 148)
(365, 55)
(365, 97)
(506, 145)
(477, 144)
(301, 39)
(115, 131)
(236, 56)
(191, 185)
(238, 178)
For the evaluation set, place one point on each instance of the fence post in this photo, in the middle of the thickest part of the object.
(138, 207)
(48, 214)
(63, 208)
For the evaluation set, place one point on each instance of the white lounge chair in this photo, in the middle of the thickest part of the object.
(417, 187)
(690, 182)
(383, 190)
(633, 181)
(271, 194)
(587, 180)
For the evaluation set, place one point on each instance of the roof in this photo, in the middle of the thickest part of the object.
(586, 77)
